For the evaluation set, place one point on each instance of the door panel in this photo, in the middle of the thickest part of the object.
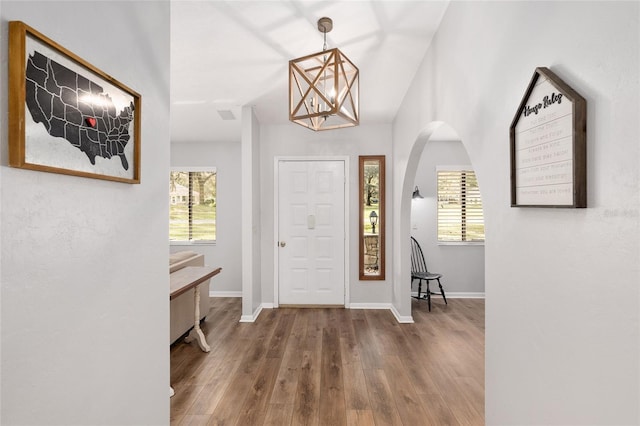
(311, 232)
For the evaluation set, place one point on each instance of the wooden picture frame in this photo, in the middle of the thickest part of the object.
(371, 225)
(67, 116)
(548, 144)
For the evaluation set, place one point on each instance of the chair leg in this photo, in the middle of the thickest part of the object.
(428, 296)
(419, 287)
(442, 291)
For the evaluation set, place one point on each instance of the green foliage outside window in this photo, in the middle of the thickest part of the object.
(192, 208)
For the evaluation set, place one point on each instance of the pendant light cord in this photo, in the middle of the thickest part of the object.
(324, 46)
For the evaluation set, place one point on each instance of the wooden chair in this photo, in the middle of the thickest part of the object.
(420, 272)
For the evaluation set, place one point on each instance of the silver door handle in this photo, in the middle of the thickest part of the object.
(282, 244)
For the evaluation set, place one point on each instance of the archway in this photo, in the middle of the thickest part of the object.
(434, 131)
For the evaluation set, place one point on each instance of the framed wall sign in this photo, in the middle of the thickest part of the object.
(65, 115)
(548, 140)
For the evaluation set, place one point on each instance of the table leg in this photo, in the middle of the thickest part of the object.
(196, 333)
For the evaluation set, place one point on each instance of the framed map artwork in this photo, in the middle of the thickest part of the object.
(65, 115)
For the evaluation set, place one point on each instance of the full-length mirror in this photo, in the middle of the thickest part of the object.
(372, 217)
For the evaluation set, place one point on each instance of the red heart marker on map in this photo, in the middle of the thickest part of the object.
(91, 121)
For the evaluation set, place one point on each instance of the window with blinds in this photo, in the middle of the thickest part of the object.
(192, 208)
(460, 216)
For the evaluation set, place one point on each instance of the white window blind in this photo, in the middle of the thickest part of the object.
(192, 211)
(460, 216)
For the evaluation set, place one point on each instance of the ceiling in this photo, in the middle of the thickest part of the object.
(227, 54)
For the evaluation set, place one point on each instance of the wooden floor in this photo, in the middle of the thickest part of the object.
(333, 367)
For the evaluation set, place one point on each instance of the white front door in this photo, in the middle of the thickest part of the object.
(311, 232)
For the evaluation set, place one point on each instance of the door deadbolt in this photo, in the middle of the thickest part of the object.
(282, 244)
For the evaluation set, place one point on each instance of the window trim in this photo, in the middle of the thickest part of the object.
(456, 168)
(196, 242)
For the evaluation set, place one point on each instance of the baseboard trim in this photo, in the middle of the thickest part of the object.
(456, 295)
(253, 317)
(370, 306)
(400, 318)
(213, 293)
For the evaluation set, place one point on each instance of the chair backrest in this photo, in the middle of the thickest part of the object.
(418, 263)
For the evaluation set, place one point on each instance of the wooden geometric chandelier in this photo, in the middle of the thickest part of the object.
(324, 88)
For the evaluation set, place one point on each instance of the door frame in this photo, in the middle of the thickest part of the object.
(276, 220)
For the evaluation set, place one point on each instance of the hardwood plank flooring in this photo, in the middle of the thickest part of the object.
(315, 366)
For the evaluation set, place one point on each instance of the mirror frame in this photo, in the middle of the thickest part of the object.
(381, 217)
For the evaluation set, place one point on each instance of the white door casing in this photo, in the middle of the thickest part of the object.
(310, 232)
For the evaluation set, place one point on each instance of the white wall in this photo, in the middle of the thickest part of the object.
(2, 162)
(226, 252)
(256, 199)
(251, 234)
(462, 266)
(561, 284)
(84, 280)
(294, 140)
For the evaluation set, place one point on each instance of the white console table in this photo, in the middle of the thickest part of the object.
(184, 280)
